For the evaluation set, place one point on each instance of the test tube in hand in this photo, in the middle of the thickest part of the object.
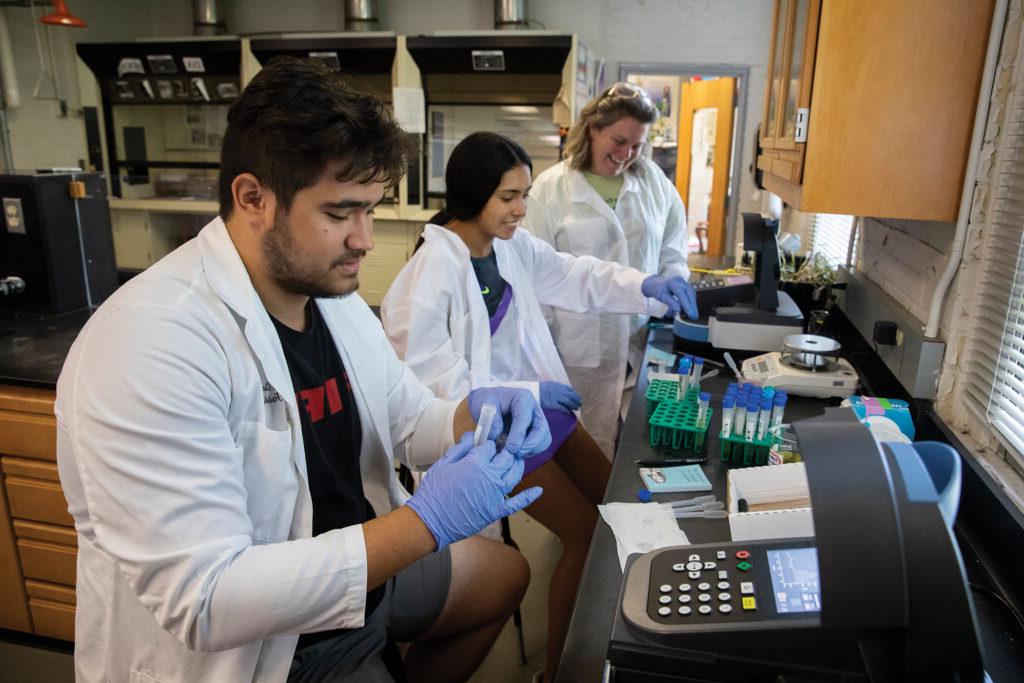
(483, 425)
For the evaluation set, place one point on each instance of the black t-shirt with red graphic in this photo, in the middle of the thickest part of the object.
(331, 433)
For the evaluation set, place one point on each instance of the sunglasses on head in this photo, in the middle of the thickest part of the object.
(628, 91)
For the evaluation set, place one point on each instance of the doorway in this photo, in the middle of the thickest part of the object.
(695, 143)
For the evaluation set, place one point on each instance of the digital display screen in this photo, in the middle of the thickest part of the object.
(795, 580)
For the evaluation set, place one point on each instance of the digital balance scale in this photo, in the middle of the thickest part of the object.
(808, 365)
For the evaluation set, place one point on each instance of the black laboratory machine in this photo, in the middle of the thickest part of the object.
(56, 248)
(743, 312)
(878, 594)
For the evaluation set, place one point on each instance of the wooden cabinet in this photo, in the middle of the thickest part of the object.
(869, 106)
(38, 545)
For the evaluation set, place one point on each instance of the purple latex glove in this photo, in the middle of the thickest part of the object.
(558, 396)
(465, 490)
(528, 432)
(674, 292)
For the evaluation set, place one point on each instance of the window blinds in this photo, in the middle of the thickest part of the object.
(994, 372)
(832, 237)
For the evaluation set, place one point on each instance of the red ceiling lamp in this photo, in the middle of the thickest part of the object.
(61, 16)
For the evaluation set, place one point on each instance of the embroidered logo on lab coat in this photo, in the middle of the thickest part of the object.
(270, 394)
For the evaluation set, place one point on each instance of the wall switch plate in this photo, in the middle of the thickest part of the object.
(13, 215)
(802, 114)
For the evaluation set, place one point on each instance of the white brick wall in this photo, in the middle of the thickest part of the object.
(40, 137)
(906, 258)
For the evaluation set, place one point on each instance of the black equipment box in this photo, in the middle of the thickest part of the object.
(61, 247)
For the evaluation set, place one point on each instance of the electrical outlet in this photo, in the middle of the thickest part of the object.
(13, 215)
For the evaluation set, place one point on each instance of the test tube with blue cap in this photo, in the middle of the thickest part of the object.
(778, 406)
(763, 418)
(728, 403)
(684, 377)
(751, 419)
(702, 408)
(739, 418)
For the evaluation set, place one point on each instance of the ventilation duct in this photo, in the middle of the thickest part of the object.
(361, 15)
(510, 14)
(208, 18)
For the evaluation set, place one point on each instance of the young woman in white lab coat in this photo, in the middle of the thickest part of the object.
(604, 200)
(448, 321)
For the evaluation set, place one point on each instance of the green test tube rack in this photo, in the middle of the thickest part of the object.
(738, 452)
(674, 423)
(659, 390)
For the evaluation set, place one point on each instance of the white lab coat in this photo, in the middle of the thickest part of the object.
(180, 452)
(438, 322)
(647, 231)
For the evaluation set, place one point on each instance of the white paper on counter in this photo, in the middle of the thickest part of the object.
(409, 109)
(642, 527)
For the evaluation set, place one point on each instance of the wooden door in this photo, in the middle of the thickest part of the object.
(700, 100)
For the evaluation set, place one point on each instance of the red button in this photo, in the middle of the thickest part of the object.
(742, 554)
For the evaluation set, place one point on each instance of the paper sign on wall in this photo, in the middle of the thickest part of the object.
(130, 65)
(409, 109)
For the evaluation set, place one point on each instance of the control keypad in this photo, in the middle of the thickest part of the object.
(702, 587)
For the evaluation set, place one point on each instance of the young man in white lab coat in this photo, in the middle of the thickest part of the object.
(226, 428)
(605, 200)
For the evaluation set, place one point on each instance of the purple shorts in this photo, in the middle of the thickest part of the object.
(561, 425)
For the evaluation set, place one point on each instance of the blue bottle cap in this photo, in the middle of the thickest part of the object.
(643, 495)
(766, 403)
(684, 366)
(698, 361)
(732, 386)
(753, 407)
(705, 396)
(780, 398)
(728, 402)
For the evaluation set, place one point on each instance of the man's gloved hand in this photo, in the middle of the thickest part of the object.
(674, 292)
(528, 432)
(465, 490)
(558, 396)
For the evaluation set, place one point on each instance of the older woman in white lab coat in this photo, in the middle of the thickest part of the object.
(605, 201)
(465, 312)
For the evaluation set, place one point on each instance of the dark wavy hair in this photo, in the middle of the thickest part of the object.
(296, 117)
(475, 169)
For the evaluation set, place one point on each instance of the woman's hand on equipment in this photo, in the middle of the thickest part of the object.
(674, 292)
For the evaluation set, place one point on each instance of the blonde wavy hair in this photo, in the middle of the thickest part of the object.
(618, 101)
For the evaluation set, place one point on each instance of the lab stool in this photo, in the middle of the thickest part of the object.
(406, 478)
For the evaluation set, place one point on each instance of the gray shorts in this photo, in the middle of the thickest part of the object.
(413, 600)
